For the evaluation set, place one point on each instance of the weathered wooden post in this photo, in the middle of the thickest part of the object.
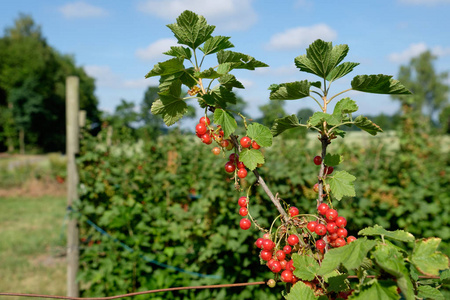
(72, 147)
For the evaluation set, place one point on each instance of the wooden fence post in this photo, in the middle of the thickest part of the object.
(72, 147)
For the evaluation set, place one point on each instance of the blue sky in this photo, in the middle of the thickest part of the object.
(118, 42)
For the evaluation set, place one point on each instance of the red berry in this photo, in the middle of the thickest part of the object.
(342, 232)
(243, 201)
(216, 150)
(280, 255)
(316, 188)
(233, 157)
(317, 160)
(287, 249)
(339, 242)
(293, 211)
(243, 211)
(341, 222)
(224, 143)
(266, 255)
(328, 170)
(275, 267)
(206, 138)
(320, 229)
(323, 208)
(270, 262)
(204, 120)
(201, 129)
(332, 227)
(242, 173)
(331, 215)
(332, 236)
(320, 244)
(311, 226)
(258, 243)
(267, 236)
(287, 276)
(351, 239)
(283, 264)
(246, 142)
(293, 240)
(290, 265)
(230, 167)
(255, 145)
(245, 224)
(268, 245)
(240, 165)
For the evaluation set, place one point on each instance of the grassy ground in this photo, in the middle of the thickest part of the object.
(32, 249)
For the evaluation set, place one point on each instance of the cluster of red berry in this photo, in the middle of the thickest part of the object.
(206, 133)
(243, 211)
(233, 163)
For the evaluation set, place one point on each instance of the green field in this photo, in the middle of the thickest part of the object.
(32, 253)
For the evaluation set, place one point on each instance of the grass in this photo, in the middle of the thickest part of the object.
(32, 253)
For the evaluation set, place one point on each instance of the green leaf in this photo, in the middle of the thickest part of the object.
(283, 124)
(229, 81)
(289, 91)
(391, 261)
(338, 283)
(222, 96)
(445, 274)
(239, 60)
(185, 76)
(224, 68)
(341, 70)
(251, 158)
(377, 290)
(333, 159)
(301, 291)
(306, 267)
(341, 184)
(180, 52)
(319, 117)
(367, 125)
(226, 120)
(167, 67)
(378, 84)
(351, 256)
(428, 292)
(261, 134)
(344, 106)
(215, 44)
(170, 105)
(191, 29)
(208, 73)
(321, 58)
(426, 259)
(399, 235)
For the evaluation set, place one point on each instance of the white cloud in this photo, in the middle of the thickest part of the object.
(156, 49)
(424, 2)
(303, 4)
(105, 77)
(300, 37)
(81, 9)
(415, 50)
(225, 14)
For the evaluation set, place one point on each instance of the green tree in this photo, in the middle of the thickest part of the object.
(152, 124)
(271, 111)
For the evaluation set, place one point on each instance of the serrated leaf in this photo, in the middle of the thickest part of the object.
(392, 262)
(185, 76)
(338, 283)
(341, 70)
(306, 267)
(321, 58)
(399, 235)
(170, 105)
(426, 259)
(224, 68)
(367, 125)
(445, 274)
(317, 84)
(341, 184)
(261, 134)
(167, 67)
(378, 84)
(377, 290)
(251, 158)
(351, 256)
(222, 96)
(215, 44)
(289, 91)
(333, 159)
(428, 292)
(226, 120)
(301, 291)
(229, 81)
(239, 60)
(283, 124)
(319, 117)
(208, 73)
(180, 52)
(191, 29)
(345, 106)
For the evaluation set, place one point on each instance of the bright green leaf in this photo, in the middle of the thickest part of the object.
(399, 235)
(224, 68)
(426, 259)
(341, 184)
(180, 52)
(445, 274)
(223, 95)
(351, 256)
(251, 158)
(378, 84)
(208, 73)
(333, 159)
(319, 117)
(226, 120)
(301, 291)
(338, 283)
(377, 290)
(167, 67)
(239, 60)
(306, 267)
(428, 292)
(367, 125)
(289, 91)
(283, 124)
(191, 29)
(185, 76)
(215, 44)
(229, 81)
(260, 133)
(345, 106)
(341, 70)
(170, 105)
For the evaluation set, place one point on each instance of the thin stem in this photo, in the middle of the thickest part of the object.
(316, 99)
(339, 94)
(331, 129)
